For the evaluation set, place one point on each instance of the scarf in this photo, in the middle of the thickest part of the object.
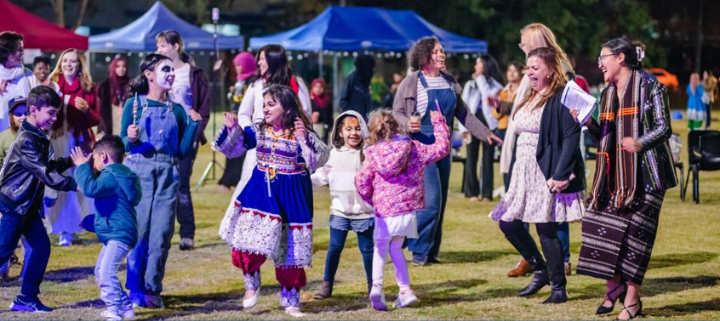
(11, 73)
(323, 100)
(618, 119)
(247, 62)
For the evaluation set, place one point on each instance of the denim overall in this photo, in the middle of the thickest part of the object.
(155, 162)
(437, 176)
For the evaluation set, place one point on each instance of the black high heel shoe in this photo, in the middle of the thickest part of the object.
(630, 315)
(605, 310)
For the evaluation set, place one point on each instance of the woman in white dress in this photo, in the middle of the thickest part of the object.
(548, 176)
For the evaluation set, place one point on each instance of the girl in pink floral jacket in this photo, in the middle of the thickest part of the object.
(391, 179)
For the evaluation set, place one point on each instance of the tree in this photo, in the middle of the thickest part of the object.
(59, 10)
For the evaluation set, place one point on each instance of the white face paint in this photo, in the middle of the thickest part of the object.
(165, 74)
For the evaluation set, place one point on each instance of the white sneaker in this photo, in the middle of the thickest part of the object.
(111, 315)
(405, 298)
(377, 298)
(65, 239)
(295, 312)
(128, 311)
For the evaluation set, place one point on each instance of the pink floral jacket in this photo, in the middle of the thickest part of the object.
(392, 176)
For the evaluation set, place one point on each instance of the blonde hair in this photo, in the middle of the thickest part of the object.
(557, 81)
(86, 82)
(382, 126)
(541, 36)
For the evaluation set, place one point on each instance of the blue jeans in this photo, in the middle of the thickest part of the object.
(430, 218)
(337, 243)
(156, 223)
(31, 226)
(111, 292)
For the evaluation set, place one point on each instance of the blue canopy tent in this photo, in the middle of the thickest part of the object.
(140, 34)
(363, 28)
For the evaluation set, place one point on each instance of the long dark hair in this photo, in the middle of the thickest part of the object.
(290, 103)
(492, 69)
(624, 46)
(139, 84)
(279, 71)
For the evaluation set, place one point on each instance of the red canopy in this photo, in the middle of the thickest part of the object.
(38, 33)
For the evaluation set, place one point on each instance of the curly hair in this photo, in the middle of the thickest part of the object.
(9, 44)
(420, 54)
(382, 126)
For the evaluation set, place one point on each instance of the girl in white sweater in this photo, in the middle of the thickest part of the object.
(348, 211)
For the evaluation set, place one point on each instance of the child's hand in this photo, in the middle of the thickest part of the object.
(300, 130)
(194, 116)
(78, 156)
(231, 120)
(133, 132)
(434, 115)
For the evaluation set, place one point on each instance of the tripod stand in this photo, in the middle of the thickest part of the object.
(216, 67)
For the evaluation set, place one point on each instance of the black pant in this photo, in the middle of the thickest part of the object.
(31, 226)
(233, 171)
(709, 117)
(185, 211)
(520, 238)
(485, 184)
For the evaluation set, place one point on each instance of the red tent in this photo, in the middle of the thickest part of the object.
(38, 33)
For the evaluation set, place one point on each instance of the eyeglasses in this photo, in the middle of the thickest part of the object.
(602, 57)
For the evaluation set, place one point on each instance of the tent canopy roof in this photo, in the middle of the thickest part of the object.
(140, 34)
(367, 28)
(38, 33)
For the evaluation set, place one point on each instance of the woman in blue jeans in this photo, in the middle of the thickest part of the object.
(428, 87)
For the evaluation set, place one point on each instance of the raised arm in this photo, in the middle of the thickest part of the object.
(441, 147)
(364, 182)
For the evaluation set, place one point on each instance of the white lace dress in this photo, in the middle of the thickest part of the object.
(528, 198)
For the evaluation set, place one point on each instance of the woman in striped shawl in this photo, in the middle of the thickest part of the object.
(634, 169)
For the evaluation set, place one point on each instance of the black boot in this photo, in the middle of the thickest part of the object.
(325, 291)
(524, 244)
(552, 248)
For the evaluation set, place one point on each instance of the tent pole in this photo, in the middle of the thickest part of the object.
(320, 64)
(336, 86)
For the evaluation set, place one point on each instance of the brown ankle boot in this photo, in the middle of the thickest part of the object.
(523, 268)
(325, 291)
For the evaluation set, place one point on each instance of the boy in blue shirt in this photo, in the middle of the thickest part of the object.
(116, 190)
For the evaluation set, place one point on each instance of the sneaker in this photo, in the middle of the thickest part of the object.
(154, 302)
(128, 312)
(137, 300)
(111, 315)
(65, 239)
(186, 244)
(26, 304)
(405, 298)
(419, 260)
(377, 298)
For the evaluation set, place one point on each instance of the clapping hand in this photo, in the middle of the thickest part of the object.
(194, 116)
(300, 130)
(231, 120)
(79, 157)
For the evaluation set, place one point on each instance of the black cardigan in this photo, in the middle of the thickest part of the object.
(558, 151)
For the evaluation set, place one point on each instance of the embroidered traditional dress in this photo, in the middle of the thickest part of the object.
(272, 216)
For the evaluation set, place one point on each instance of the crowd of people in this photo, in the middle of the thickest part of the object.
(123, 151)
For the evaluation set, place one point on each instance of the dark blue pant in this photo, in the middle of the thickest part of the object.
(31, 226)
(337, 243)
(185, 211)
(430, 218)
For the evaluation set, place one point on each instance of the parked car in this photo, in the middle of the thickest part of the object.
(668, 80)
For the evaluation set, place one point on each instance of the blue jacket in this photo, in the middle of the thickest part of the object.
(116, 192)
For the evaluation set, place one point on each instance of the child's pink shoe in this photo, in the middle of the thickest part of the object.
(377, 298)
(405, 298)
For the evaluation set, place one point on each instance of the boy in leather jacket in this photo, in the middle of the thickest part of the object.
(30, 165)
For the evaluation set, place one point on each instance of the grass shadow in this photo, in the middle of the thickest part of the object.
(679, 259)
(445, 292)
(69, 274)
(210, 245)
(472, 256)
(651, 287)
(677, 310)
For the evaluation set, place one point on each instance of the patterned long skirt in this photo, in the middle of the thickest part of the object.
(620, 241)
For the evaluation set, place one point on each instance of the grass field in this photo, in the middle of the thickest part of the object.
(683, 281)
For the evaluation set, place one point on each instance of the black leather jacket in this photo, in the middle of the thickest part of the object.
(28, 168)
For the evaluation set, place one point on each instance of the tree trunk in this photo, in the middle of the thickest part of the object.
(698, 45)
(81, 13)
(58, 8)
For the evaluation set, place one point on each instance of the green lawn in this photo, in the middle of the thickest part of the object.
(683, 281)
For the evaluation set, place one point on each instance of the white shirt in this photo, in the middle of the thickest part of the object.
(20, 82)
(476, 93)
(181, 91)
(251, 107)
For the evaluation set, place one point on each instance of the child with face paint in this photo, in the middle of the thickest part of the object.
(348, 211)
(272, 217)
(156, 134)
